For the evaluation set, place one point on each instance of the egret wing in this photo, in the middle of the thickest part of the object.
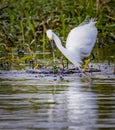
(82, 38)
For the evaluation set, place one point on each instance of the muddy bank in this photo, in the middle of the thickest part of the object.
(100, 71)
(60, 71)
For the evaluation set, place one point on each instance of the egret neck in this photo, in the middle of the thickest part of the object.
(66, 52)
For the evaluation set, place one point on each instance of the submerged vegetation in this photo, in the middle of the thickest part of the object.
(23, 24)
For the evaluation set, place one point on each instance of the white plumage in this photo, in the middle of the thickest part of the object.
(79, 43)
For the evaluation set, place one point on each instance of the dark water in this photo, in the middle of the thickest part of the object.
(56, 104)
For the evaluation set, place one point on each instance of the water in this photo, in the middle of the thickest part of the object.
(51, 103)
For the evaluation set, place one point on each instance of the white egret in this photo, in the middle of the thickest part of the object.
(79, 43)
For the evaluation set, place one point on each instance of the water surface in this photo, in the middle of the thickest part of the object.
(53, 103)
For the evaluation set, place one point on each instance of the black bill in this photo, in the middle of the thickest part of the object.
(52, 44)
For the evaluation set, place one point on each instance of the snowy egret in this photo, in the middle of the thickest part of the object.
(79, 43)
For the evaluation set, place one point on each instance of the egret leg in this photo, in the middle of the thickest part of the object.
(87, 62)
(62, 63)
(67, 63)
(86, 65)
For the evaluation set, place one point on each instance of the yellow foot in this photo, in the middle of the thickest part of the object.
(37, 66)
(86, 64)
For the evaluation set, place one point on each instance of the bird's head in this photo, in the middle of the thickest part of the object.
(49, 34)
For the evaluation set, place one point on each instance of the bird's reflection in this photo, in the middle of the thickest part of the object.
(75, 106)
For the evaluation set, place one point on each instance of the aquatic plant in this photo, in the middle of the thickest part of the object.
(21, 25)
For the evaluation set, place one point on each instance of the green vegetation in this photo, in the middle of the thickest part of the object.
(23, 24)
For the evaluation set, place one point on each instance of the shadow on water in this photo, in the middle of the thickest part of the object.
(57, 104)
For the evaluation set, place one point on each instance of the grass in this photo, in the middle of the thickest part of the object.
(22, 24)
